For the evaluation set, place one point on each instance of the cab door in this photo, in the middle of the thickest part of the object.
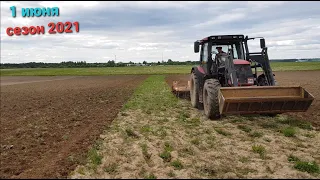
(205, 63)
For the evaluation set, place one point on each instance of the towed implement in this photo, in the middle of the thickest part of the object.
(227, 80)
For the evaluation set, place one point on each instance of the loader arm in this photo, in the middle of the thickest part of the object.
(263, 59)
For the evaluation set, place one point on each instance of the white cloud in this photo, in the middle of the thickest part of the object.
(70, 7)
(141, 48)
(145, 30)
(258, 5)
(221, 19)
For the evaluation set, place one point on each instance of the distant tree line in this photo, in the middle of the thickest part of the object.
(295, 60)
(111, 63)
(84, 64)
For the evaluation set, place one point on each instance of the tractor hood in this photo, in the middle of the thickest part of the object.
(240, 61)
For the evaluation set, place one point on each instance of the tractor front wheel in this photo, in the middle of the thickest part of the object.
(210, 98)
(194, 91)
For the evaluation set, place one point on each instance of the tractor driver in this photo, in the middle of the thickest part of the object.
(221, 56)
(220, 51)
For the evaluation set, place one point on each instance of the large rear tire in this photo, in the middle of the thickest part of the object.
(210, 98)
(194, 91)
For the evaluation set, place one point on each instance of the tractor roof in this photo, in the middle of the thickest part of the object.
(220, 38)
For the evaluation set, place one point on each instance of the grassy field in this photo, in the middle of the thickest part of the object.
(157, 136)
(97, 71)
(295, 66)
(276, 66)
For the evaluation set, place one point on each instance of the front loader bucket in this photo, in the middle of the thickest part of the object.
(263, 99)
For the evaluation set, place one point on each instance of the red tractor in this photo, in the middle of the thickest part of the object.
(227, 80)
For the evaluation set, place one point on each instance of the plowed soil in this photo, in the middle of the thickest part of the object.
(307, 79)
(48, 124)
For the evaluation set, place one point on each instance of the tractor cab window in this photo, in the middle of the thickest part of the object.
(238, 50)
(235, 53)
(204, 56)
(225, 49)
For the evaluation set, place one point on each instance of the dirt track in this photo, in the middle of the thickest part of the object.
(307, 79)
(12, 80)
(47, 126)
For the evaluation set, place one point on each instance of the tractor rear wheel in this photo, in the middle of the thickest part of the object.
(194, 91)
(211, 99)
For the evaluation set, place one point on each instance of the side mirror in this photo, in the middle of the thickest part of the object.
(262, 43)
(196, 46)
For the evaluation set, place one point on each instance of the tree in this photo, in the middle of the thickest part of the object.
(111, 63)
(159, 63)
(144, 62)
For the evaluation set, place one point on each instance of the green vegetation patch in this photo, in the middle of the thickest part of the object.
(166, 153)
(222, 132)
(150, 176)
(177, 164)
(256, 134)
(94, 158)
(137, 70)
(310, 167)
(244, 128)
(289, 131)
(166, 156)
(152, 95)
(259, 149)
(294, 66)
(296, 123)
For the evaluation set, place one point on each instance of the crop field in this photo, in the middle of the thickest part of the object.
(140, 70)
(47, 124)
(79, 123)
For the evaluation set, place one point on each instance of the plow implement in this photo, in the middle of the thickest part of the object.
(181, 90)
(256, 99)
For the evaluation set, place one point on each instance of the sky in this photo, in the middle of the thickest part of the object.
(152, 31)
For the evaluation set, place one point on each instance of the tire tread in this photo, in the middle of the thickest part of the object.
(212, 86)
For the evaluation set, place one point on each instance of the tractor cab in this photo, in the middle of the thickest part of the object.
(227, 58)
(244, 74)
